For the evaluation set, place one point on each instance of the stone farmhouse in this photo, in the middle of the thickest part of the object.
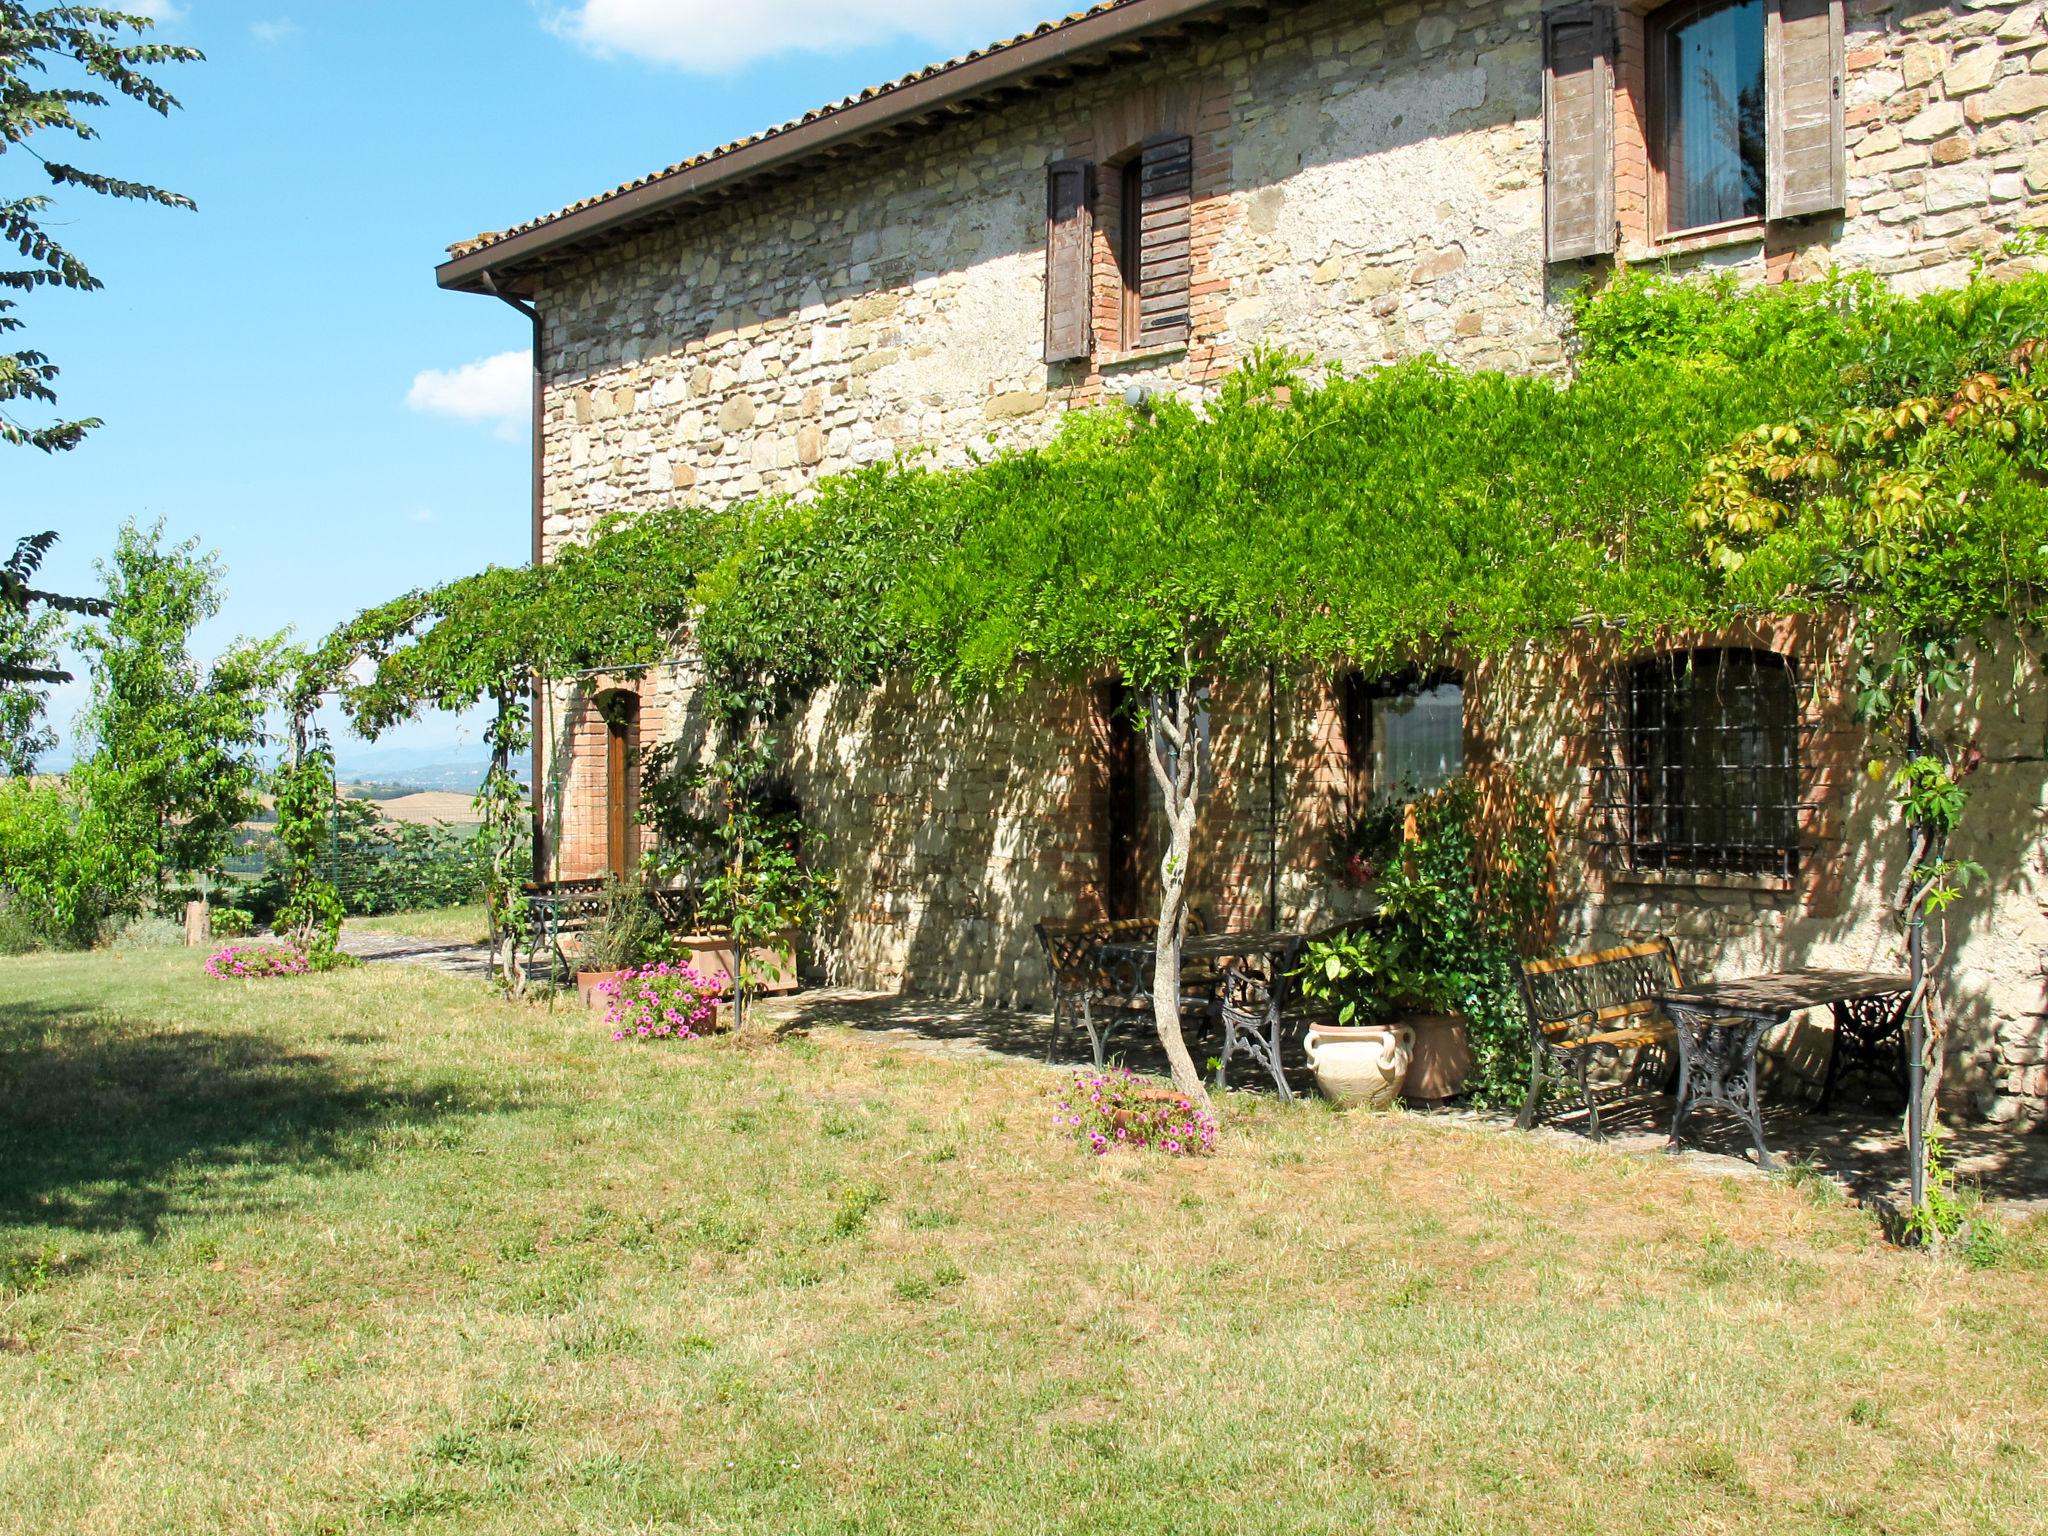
(1133, 198)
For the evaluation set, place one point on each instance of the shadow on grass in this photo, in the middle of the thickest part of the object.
(110, 1127)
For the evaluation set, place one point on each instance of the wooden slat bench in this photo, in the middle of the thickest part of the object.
(1583, 1008)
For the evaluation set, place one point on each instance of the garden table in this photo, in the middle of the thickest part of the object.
(1721, 1024)
(1129, 964)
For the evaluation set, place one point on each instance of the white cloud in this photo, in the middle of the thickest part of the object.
(155, 10)
(273, 31)
(497, 390)
(717, 36)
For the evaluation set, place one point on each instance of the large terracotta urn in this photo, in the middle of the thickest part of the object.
(1360, 1066)
(1442, 1059)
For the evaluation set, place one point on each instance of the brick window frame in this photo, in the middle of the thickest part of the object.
(1832, 748)
(1199, 107)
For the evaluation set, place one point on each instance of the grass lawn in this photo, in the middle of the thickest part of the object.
(457, 925)
(372, 1252)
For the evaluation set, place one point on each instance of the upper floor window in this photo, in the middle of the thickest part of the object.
(1711, 741)
(1140, 206)
(1707, 96)
(1702, 119)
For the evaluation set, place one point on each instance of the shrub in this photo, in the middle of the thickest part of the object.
(250, 962)
(664, 1002)
(233, 922)
(149, 932)
(1121, 1109)
(53, 887)
(627, 931)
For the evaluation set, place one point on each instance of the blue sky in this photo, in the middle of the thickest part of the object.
(278, 373)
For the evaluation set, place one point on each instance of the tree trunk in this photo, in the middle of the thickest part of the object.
(1173, 748)
(504, 932)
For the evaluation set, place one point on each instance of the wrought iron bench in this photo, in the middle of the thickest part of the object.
(1585, 1008)
(562, 908)
(1258, 1009)
(1095, 996)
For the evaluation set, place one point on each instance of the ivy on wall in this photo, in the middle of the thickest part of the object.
(1717, 453)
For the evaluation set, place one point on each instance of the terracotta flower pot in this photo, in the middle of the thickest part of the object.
(772, 968)
(587, 983)
(1443, 1056)
(1360, 1067)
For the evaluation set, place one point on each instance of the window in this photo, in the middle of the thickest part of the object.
(1712, 762)
(1708, 91)
(1405, 734)
(1146, 232)
(1703, 119)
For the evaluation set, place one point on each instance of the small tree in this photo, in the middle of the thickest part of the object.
(172, 765)
(303, 790)
(1132, 548)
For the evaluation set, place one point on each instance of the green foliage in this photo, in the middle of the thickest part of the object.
(728, 829)
(171, 766)
(107, 46)
(1941, 1216)
(303, 791)
(627, 930)
(233, 923)
(28, 661)
(1458, 904)
(40, 873)
(1367, 975)
(381, 866)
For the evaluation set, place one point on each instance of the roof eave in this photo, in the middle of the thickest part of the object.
(493, 267)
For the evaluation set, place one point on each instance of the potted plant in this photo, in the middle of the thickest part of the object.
(667, 1001)
(1365, 976)
(625, 932)
(733, 830)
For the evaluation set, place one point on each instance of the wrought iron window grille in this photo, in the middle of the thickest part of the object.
(1701, 764)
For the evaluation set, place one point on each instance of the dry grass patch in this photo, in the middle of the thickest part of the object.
(373, 1252)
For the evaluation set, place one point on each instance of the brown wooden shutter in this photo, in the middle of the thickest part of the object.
(1069, 259)
(1578, 132)
(1805, 167)
(1166, 187)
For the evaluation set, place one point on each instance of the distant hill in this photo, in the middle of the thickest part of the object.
(389, 770)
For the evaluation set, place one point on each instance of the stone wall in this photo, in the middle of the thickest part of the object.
(1369, 186)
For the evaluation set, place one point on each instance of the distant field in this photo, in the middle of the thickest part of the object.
(431, 805)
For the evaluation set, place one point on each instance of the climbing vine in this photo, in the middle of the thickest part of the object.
(1717, 453)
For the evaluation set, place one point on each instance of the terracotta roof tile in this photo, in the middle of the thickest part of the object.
(493, 237)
